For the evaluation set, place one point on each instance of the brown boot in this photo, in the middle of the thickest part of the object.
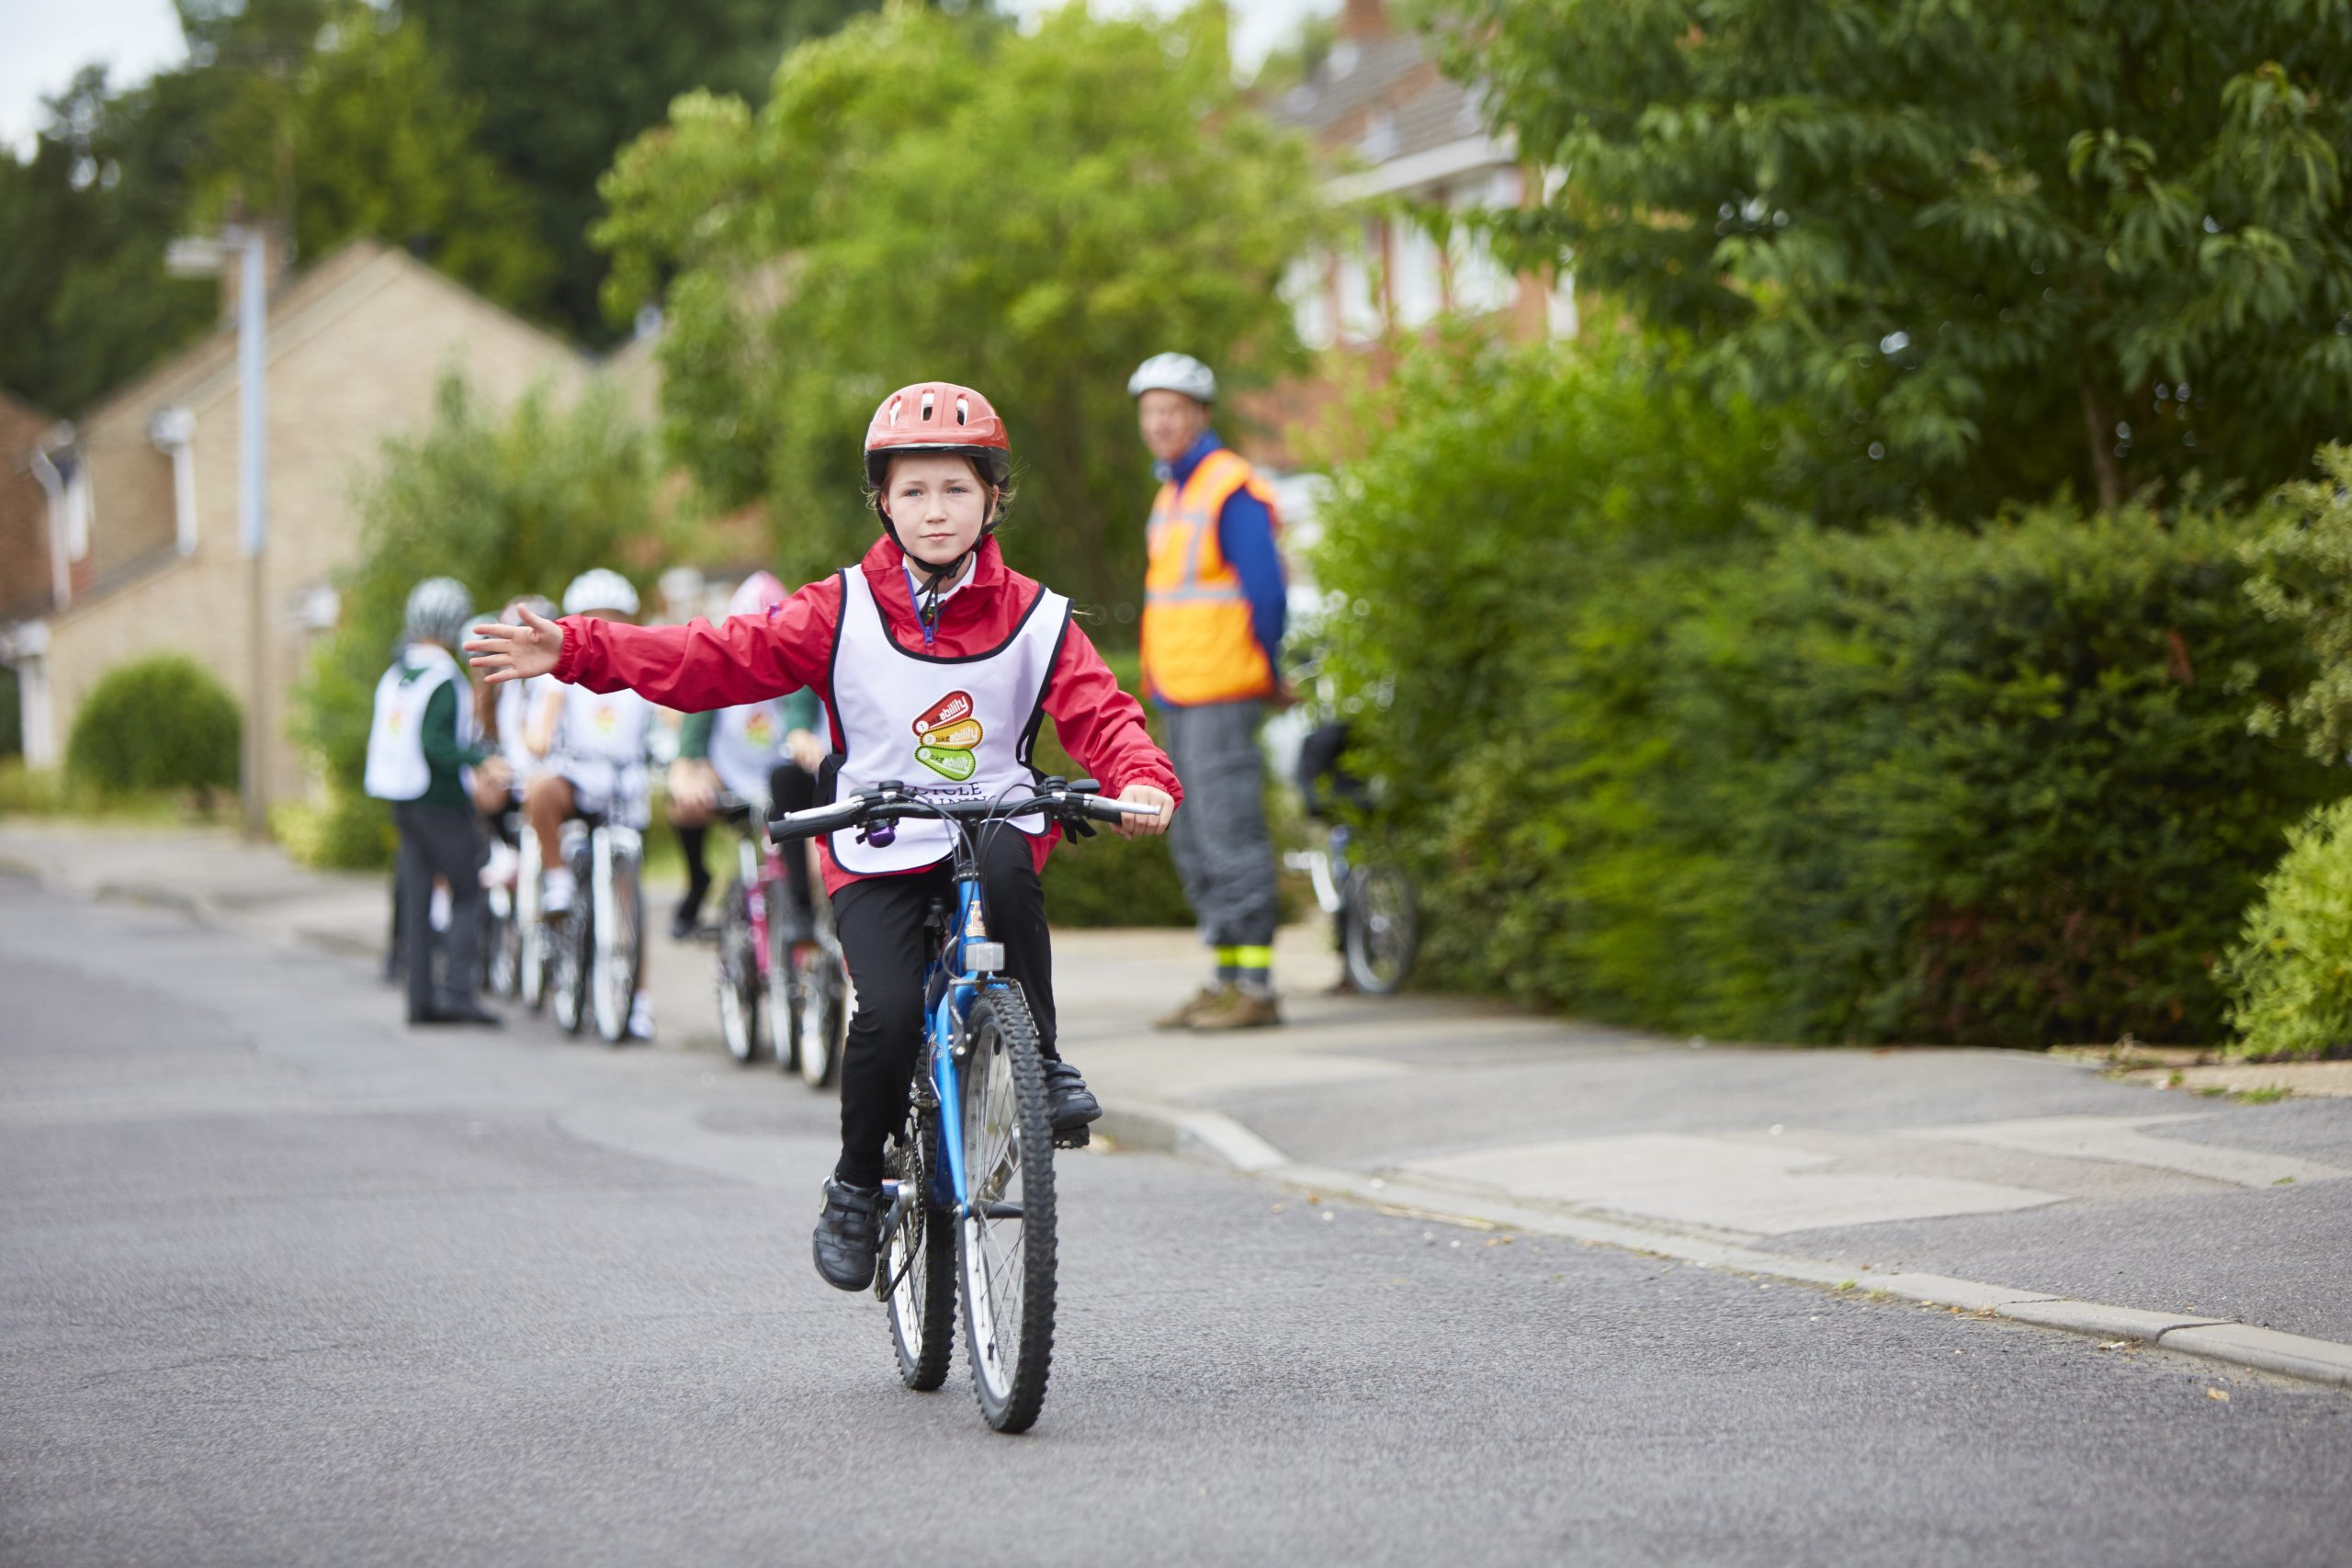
(1207, 998)
(1240, 1008)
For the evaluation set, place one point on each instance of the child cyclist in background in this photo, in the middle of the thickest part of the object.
(932, 618)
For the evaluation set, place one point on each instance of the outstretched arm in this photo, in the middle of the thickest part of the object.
(745, 658)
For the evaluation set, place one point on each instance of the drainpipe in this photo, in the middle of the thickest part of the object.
(173, 431)
(57, 483)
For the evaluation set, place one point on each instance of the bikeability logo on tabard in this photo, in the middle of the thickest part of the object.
(945, 733)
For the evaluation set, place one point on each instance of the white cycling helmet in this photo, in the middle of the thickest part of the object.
(600, 589)
(439, 608)
(1174, 373)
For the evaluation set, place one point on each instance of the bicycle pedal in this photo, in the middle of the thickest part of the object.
(1073, 1138)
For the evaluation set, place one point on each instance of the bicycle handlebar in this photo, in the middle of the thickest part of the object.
(890, 801)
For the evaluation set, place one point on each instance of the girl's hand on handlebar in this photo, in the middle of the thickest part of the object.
(1145, 794)
(515, 653)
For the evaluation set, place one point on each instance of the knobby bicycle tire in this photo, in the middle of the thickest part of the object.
(1007, 1283)
(820, 1017)
(1379, 928)
(916, 1278)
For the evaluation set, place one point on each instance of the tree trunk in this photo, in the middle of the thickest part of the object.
(2098, 421)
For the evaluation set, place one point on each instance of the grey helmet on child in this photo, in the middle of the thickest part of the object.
(601, 589)
(440, 609)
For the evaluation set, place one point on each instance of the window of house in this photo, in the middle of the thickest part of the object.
(1481, 284)
(1306, 288)
(1417, 278)
(1361, 265)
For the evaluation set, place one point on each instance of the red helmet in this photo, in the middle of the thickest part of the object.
(937, 416)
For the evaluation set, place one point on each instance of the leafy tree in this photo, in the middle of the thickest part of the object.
(554, 116)
(1992, 247)
(508, 504)
(351, 127)
(2304, 577)
(83, 226)
(363, 134)
(922, 196)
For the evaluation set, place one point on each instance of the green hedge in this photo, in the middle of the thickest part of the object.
(1107, 880)
(1729, 775)
(155, 725)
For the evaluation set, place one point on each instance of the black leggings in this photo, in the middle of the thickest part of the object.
(880, 921)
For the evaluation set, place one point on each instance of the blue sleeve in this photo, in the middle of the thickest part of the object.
(1244, 533)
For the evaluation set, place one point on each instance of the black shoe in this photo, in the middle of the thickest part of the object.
(686, 921)
(471, 1012)
(1068, 1102)
(845, 1235)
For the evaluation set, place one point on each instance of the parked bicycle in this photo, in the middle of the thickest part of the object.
(1376, 923)
(797, 978)
(969, 1192)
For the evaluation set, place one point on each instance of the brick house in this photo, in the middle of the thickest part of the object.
(141, 491)
(1399, 135)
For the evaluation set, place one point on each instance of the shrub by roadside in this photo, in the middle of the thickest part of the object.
(2290, 976)
(158, 726)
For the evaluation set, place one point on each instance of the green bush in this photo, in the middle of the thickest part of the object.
(1666, 760)
(155, 725)
(2290, 976)
(1107, 880)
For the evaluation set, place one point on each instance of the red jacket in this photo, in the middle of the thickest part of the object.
(748, 659)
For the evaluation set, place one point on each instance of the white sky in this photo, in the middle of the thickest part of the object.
(43, 42)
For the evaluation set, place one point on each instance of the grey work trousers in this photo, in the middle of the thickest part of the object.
(1223, 851)
(444, 841)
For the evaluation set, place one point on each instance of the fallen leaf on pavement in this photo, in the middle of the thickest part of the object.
(2221, 1394)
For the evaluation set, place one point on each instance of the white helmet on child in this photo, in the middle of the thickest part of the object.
(438, 610)
(1174, 373)
(602, 589)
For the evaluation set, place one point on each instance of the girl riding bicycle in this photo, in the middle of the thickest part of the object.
(937, 662)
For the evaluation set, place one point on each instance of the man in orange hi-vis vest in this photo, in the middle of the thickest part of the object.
(1214, 606)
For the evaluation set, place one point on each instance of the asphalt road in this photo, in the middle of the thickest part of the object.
(281, 1282)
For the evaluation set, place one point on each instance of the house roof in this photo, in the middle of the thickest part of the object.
(1392, 75)
(308, 299)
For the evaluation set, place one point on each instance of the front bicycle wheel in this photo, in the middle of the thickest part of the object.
(917, 1279)
(505, 944)
(618, 949)
(739, 977)
(1004, 1241)
(568, 962)
(1379, 928)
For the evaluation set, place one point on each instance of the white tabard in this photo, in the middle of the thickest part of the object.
(948, 728)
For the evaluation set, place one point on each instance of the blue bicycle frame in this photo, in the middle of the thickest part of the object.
(970, 961)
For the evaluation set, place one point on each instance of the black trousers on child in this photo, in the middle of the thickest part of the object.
(880, 922)
(443, 841)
